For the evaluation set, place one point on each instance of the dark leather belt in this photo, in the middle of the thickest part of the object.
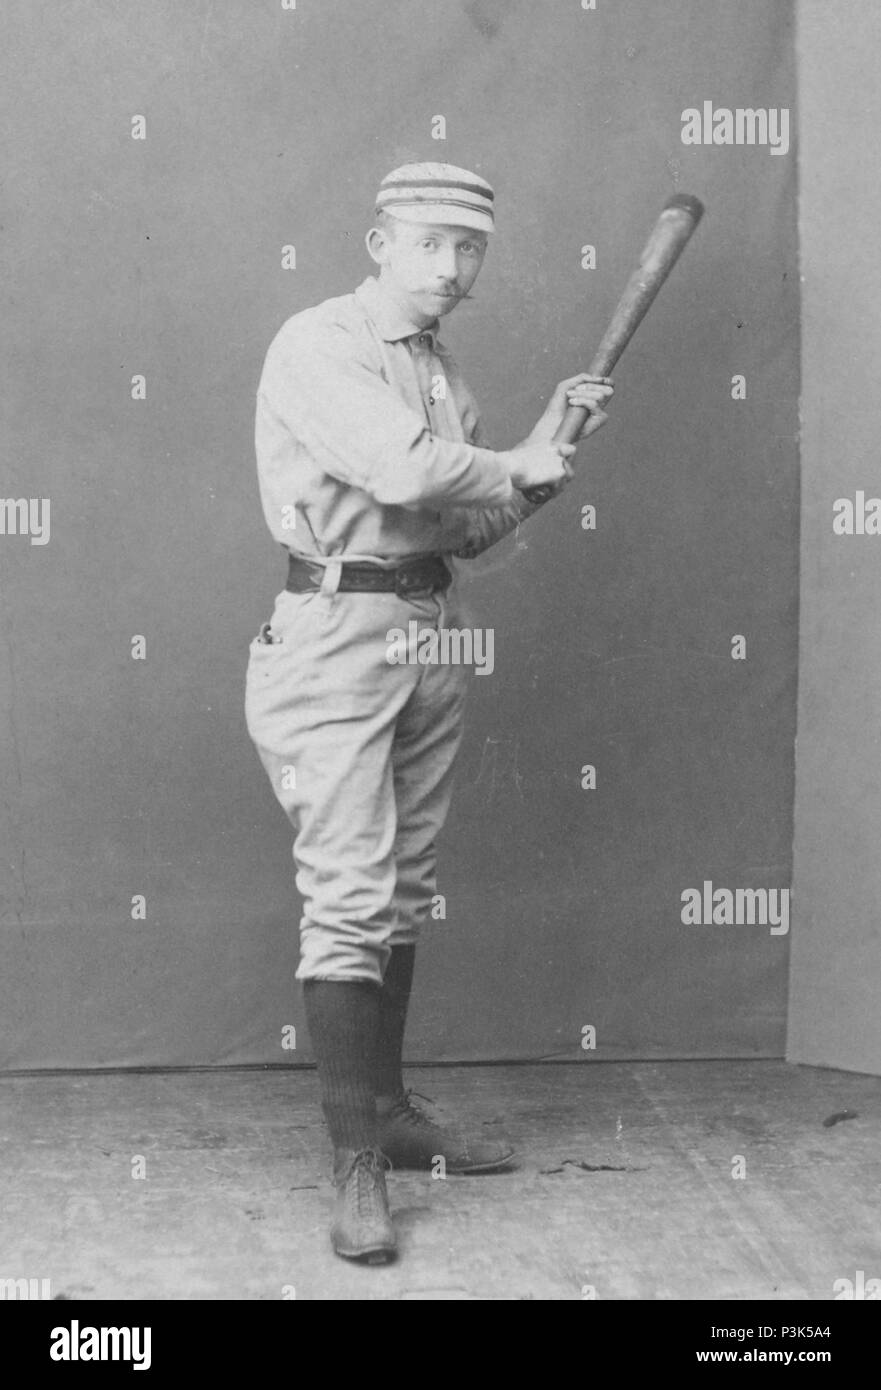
(413, 579)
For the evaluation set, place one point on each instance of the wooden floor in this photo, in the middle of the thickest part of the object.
(624, 1185)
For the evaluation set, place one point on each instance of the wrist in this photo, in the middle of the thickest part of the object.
(495, 473)
(509, 461)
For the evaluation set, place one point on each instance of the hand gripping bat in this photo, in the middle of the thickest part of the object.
(668, 239)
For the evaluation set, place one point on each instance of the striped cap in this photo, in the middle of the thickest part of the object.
(437, 193)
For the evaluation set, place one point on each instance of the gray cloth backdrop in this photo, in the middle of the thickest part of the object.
(268, 127)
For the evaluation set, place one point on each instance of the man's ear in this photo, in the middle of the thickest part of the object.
(377, 245)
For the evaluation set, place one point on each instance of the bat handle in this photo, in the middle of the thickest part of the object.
(568, 431)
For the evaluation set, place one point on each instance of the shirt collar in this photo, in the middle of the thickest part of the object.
(391, 321)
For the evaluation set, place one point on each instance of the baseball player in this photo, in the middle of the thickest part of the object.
(372, 477)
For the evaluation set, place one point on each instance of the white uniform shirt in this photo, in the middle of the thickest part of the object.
(366, 439)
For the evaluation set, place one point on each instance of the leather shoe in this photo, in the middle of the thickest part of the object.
(411, 1139)
(362, 1224)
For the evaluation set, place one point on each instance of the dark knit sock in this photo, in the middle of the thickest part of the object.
(343, 1018)
(392, 1020)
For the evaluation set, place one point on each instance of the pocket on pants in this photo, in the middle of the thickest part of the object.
(289, 613)
(266, 637)
(282, 667)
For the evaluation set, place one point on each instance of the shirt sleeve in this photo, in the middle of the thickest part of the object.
(468, 531)
(324, 387)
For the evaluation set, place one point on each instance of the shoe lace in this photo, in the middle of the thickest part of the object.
(366, 1165)
(409, 1109)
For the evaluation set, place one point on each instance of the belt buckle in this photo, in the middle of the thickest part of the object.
(411, 580)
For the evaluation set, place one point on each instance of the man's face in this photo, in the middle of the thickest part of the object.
(429, 267)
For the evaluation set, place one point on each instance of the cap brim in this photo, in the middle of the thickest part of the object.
(442, 215)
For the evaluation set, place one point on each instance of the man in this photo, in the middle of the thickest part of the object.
(371, 477)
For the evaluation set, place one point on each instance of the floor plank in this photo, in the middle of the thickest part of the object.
(624, 1185)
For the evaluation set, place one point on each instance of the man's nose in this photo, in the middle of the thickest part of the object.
(446, 266)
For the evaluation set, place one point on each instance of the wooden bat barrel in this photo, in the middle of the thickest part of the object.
(669, 236)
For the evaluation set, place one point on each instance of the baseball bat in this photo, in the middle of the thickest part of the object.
(669, 237)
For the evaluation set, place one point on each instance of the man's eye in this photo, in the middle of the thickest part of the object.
(427, 245)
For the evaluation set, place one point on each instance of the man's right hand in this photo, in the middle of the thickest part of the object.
(538, 462)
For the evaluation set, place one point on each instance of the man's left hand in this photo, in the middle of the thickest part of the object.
(591, 392)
